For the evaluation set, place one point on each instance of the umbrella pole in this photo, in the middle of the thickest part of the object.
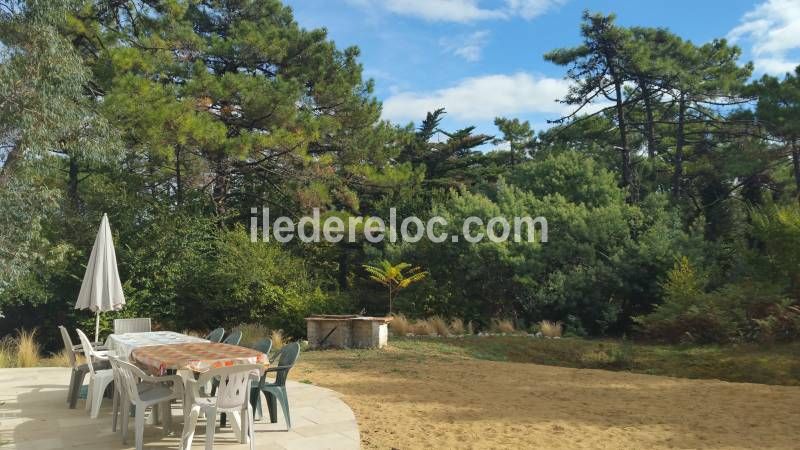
(97, 327)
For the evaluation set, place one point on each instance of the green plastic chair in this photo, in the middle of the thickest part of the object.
(263, 345)
(216, 335)
(234, 338)
(276, 391)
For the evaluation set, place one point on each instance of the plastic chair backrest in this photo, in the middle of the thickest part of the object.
(73, 362)
(88, 350)
(129, 375)
(263, 345)
(234, 338)
(288, 356)
(233, 391)
(216, 335)
(136, 325)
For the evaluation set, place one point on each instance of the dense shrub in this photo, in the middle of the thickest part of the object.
(742, 311)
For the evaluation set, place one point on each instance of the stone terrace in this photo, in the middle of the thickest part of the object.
(34, 415)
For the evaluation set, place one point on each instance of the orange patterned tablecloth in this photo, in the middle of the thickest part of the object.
(196, 356)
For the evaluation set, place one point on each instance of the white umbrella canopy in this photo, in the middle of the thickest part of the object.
(101, 290)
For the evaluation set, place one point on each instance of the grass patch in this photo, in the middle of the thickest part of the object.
(773, 364)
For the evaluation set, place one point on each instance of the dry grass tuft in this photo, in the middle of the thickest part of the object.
(423, 328)
(278, 339)
(8, 352)
(400, 325)
(550, 329)
(59, 359)
(27, 349)
(439, 326)
(457, 327)
(252, 333)
(502, 326)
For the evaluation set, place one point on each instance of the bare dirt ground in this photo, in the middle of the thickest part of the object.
(404, 399)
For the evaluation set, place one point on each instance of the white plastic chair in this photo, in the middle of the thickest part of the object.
(98, 379)
(137, 325)
(232, 397)
(143, 391)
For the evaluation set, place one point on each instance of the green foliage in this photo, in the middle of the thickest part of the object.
(246, 282)
(581, 276)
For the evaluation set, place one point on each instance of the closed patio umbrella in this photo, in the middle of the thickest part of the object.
(101, 289)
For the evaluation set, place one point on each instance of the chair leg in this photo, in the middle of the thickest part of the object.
(189, 425)
(97, 397)
(237, 426)
(97, 400)
(88, 405)
(255, 403)
(72, 376)
(272, 406)
(250, 429)
(114, 410)
(139, 427)
(285, 406)
(76, 388)
(211, 424)
(166, 415)
(126, 415)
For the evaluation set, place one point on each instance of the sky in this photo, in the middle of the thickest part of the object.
(480, 59)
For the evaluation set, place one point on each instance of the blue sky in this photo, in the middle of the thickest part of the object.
(481, 59)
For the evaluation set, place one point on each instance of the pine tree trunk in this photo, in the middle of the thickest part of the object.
(796, 167)
(627, 177)
(677, 174)
(649, 126)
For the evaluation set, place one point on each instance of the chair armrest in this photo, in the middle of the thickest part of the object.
(162, 379)
(98, 348)
(277, 368)
(101, 356)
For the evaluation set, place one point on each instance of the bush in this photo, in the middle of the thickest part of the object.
(502, 326)
(247, 282)
(550, 329)
(457, 326)
(422, 327)
(252, 333)
(743, 311)
(399, 326)
(439, 326)
(688, 313)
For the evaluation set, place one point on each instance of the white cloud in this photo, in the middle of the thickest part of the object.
(773, 30)
(468, 46)
(483, 98)
(528, 9)
(461, 10)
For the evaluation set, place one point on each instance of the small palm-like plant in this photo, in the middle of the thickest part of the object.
(395, 277)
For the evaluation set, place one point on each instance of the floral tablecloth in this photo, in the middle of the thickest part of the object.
(123, 344)
(198, 357)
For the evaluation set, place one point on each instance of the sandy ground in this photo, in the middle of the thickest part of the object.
(409, 401)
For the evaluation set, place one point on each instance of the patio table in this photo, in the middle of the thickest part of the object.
(198, 357)
(123, 344)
